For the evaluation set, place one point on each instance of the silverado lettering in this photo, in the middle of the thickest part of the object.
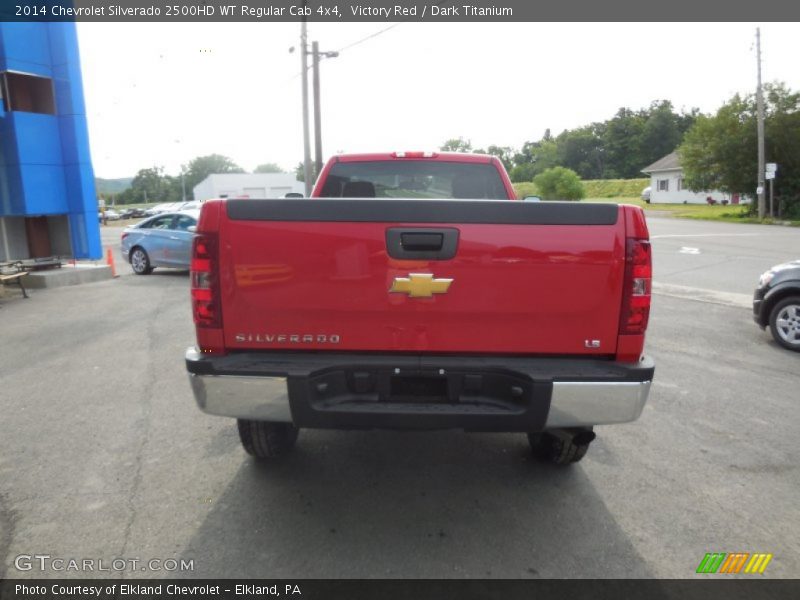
(455, 306)
(291, 338)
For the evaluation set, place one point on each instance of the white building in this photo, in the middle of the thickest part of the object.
(666, 185)
(247, 185)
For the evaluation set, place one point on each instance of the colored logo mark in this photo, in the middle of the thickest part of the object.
(734, 562)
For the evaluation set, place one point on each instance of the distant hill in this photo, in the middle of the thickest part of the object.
(112, 186)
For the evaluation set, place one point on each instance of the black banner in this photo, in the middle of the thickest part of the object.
(383, 589)
(432, 11)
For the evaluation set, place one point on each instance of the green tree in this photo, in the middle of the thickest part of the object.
(559, 183)
(504, 153)
(299, 172)
(203, 166)
(660, 135)
(268, 168)
(456, 145)
(583, 151)
(720, 151)
(147, 186)
(173, 190)
(622, 144)
(522, 173)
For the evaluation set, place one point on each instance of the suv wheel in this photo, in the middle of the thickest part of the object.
(784, 323)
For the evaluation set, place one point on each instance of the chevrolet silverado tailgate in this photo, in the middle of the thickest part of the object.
(421, 275)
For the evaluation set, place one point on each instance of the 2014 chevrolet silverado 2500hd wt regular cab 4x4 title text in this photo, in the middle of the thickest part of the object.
(412, 291)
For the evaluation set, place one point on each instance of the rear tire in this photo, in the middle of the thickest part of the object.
(266, 439)
(784, 323)
(560, 448)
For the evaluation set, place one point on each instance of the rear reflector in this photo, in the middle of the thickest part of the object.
(637, 286)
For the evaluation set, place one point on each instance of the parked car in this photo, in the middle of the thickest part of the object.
(163, 240)
(162, 208)
(109, 215)
(133, 213)
(776, 304)
(646, 194)
(191, 205)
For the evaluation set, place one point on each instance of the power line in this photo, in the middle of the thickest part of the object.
(356, 43)
(369, 37)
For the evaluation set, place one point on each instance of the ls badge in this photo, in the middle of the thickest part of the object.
(420, 285)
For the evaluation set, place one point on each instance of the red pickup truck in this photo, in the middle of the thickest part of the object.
(413, 291)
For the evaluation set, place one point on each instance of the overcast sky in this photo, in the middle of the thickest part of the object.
(162, 94)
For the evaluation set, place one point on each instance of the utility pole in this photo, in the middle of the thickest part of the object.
(317, 124)
(316, 56)
(183, 184)
(304, 76)
(771, 199)
(762, 203)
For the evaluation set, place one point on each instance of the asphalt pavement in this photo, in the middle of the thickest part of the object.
(104, 455)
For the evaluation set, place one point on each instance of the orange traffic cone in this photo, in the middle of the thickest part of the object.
(110, 262)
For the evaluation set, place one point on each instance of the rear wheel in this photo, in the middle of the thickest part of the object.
(561, 447)
(784, 323)
(266, 439)
(140, 262)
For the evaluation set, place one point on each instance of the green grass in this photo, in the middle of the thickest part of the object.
(717, 212)
(614, 188)
(526, 188)
(602, 189)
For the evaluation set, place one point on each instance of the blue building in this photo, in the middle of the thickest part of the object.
(48, 204)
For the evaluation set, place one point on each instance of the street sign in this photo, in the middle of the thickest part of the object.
(759, 190)
(771, 168)
(770, 175)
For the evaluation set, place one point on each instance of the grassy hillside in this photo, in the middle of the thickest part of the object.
(615, 188)
(596, 188)
(112, 186)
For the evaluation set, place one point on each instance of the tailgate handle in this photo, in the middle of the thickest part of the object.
(427, 243)
(420, 242)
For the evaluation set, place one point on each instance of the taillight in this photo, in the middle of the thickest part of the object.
(205, 281)
(636, 289)
(124, 235)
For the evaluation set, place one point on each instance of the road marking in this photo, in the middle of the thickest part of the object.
(682, 235)
(688, 250)
(703, 295)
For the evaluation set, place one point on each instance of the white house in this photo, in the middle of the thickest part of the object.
(248, 185)
(666, 185)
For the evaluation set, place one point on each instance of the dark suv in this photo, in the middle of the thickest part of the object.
(776, 304)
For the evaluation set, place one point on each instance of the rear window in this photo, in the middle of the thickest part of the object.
(414, 179)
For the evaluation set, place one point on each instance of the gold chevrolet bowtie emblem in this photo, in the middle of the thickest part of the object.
(420, 285)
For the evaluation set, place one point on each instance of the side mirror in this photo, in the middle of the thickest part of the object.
(191, 228)
(532, 199)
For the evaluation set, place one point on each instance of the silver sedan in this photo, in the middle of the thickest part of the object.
(164, 240)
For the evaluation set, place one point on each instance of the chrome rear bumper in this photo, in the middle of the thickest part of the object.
(255, 398)
(571, 403)
(577, 403)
